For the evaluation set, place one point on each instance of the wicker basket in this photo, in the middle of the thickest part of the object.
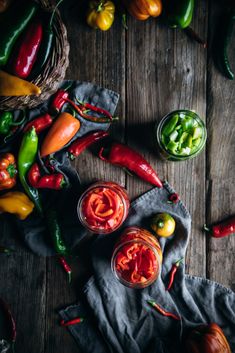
(53, 72)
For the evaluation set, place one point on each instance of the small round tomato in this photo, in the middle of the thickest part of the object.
(163, 224)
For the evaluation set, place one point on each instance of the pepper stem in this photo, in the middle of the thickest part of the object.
(179, 262)
(17, 123)
(151, 302)
(100, 6)
(207, 229)
(194, 36)
(11, 170)
(160, 224)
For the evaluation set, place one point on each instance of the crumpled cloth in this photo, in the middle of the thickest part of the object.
(119, 319)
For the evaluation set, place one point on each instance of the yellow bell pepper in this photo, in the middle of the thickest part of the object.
(100, 14)
(13, 86)
(17, 203)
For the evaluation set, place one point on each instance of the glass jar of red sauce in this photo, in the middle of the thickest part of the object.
(103, 207)
(137, 258)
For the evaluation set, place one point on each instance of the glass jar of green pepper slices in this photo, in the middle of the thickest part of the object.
(180, 135)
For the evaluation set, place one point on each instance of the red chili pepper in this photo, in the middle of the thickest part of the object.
(173, 272)
(79, 145)
(80, 109)
(173, 198)
(66, 267)
(162, 311)
(4, 250)
(41, 123)
(25, 54)
(58, 101)
(124, 156)
(10, 319)
(75, 321)
(51, 181)
(222, 229)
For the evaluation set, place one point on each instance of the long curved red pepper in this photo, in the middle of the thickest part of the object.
(51, 181)
(79, 145)
(223, 228)
(173, 272)
(163, 311)
(41, 123)
(25, 54)
(123, 156)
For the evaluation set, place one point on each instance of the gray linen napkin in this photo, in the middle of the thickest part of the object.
(33, 229)
(119, 320)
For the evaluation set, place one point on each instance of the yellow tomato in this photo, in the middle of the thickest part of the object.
(101, 14)
(163, 225)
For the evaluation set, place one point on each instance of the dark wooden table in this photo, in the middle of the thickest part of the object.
(155, 70)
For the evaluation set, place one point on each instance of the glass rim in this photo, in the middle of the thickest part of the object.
(137, 285)
(89, 189)
(158, 129)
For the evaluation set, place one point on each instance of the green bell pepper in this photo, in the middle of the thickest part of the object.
(180, 13)
(7, 121)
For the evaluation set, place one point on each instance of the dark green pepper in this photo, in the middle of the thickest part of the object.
(180, 13)
(7, 121)
(12, 25)
(26, 158)
(46, 45)
(55, 232)
(223, 39)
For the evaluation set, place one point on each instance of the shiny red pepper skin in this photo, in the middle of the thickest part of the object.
(41, 123)
(223, 228)
(25, 54)
(51, 181)
(123, 156)
(58, 101)
(79, 145)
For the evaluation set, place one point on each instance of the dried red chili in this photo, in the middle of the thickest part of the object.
(222, 229)
(79, 145)
(123, 156)
(162, 311)
(41, 123)
(49, 181)
(11, 321)
(173, 272)
(66, 267)
(75, 321)
(173, 198)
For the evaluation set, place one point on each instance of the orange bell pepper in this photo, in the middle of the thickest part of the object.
(142, 9)
(7, 171)
(62, 131)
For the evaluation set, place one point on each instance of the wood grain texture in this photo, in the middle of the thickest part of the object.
(155, 70)
(220, 158)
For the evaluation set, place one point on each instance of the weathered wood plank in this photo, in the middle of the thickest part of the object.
(97, 57)
(169, 74)
(220, 161)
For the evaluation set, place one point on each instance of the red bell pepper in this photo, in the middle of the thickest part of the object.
(123, 156)
(25, 53)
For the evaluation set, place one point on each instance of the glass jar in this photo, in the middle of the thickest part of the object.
(180, 135)
(137, 258)
(103, 207)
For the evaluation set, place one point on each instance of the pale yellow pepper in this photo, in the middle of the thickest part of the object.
(17, 203)
(101, 14)
(14, 86)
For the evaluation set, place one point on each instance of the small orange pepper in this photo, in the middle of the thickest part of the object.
(62, 131)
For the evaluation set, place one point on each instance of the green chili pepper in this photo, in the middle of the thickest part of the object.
(180, 13)
(170, 126)
(46, 45)
(55, 231)
(7, 121)
(12, 25)
(225, 35)
(26, 158)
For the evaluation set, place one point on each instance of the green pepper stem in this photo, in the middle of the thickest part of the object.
(206, 228)
(160, 224)
(53, 13)
(179, 262)
(100, 6)
(17, 123)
